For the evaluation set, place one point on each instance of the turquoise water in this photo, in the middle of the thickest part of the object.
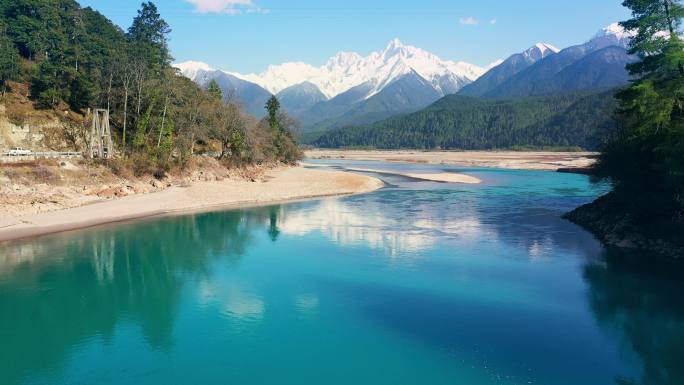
(419, 283)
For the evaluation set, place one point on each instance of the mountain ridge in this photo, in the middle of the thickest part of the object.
(346, 70)
(597, 63)
(468, 123)
(354, 89)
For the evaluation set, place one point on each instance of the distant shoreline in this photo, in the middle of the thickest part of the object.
(519, 160)
(281, 185)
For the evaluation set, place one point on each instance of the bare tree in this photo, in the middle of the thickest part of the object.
(229, 130)
(126, 75)
(139, 69)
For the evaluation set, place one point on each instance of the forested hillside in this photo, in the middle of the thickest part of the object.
(76, 59)
(459, 122)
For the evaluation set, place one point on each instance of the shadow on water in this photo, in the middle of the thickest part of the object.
(62, 291)
(640, 299)
(70, 288)
(635, 301)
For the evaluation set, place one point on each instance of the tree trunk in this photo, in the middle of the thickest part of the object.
(161, 131)
(125, 119)
(137, 109)
(109, 89)
(670, 25)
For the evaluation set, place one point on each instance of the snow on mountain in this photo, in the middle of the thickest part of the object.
(493, 64)
(279, 77)
(506, 69)
(616, 30)
(613, 34)
(379, 69)
(192, 69)
(540, 51)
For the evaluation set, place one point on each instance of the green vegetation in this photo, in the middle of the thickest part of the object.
(459, 122)
(75, 58)
(645, 156)
(215, 90)
(647, 151)
(9, 59)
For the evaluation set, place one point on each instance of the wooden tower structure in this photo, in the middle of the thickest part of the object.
(101, 145)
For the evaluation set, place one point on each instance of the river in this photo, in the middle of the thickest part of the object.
(418, 283)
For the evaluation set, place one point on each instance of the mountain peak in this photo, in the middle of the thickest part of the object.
(346, 70)
(191, 68)
(544, 47)
(396, 47)
(617, 30)
(343, 59)
(613, 34)
(394, 43)
(540, 51)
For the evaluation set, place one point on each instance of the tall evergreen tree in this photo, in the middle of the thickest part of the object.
(9, 60)
(273, 107)
(149, 36)
(647, 154)
(214, 90)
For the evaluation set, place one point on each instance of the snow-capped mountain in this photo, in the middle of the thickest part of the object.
(540, 51)
(193, 69)
(498, 74)
(347, 70)
(299, 98)
(543, 70)
(613, 34)
(354, 89)
(251, 96)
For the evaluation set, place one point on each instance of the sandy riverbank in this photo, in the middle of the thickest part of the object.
(278, 185)
(498, 159)
(442, 177)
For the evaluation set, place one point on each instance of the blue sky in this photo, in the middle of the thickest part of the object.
(248, 35)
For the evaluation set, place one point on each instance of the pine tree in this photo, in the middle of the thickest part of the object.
(9, 61)
(149, 35)
(273, 107)
(647, 154)
(214, 90)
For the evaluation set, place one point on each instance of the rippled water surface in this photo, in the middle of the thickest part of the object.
(419, 283)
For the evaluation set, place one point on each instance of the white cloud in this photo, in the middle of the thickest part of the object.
(493, 21)
(469, 21)
(231, 7)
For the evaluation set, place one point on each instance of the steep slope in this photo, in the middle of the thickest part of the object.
(407, 94)
(604, 68)
(459, 122)
(335, 106)
(347, 70)
(596, 64)
(507, 69)
(300, 97)
(339, 87)
(250, 95)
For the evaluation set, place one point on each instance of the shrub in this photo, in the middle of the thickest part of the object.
(44, 174)
(160, 174)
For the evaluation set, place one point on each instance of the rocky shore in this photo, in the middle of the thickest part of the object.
(612, 220)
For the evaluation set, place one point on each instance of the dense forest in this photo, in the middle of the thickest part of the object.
(645, 157)
(460, 122)
(76, 59)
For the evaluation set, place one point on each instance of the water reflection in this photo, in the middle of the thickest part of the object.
(638, 298)
(62, 292)
(402, 223)
(65, 289)
(347, 225)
